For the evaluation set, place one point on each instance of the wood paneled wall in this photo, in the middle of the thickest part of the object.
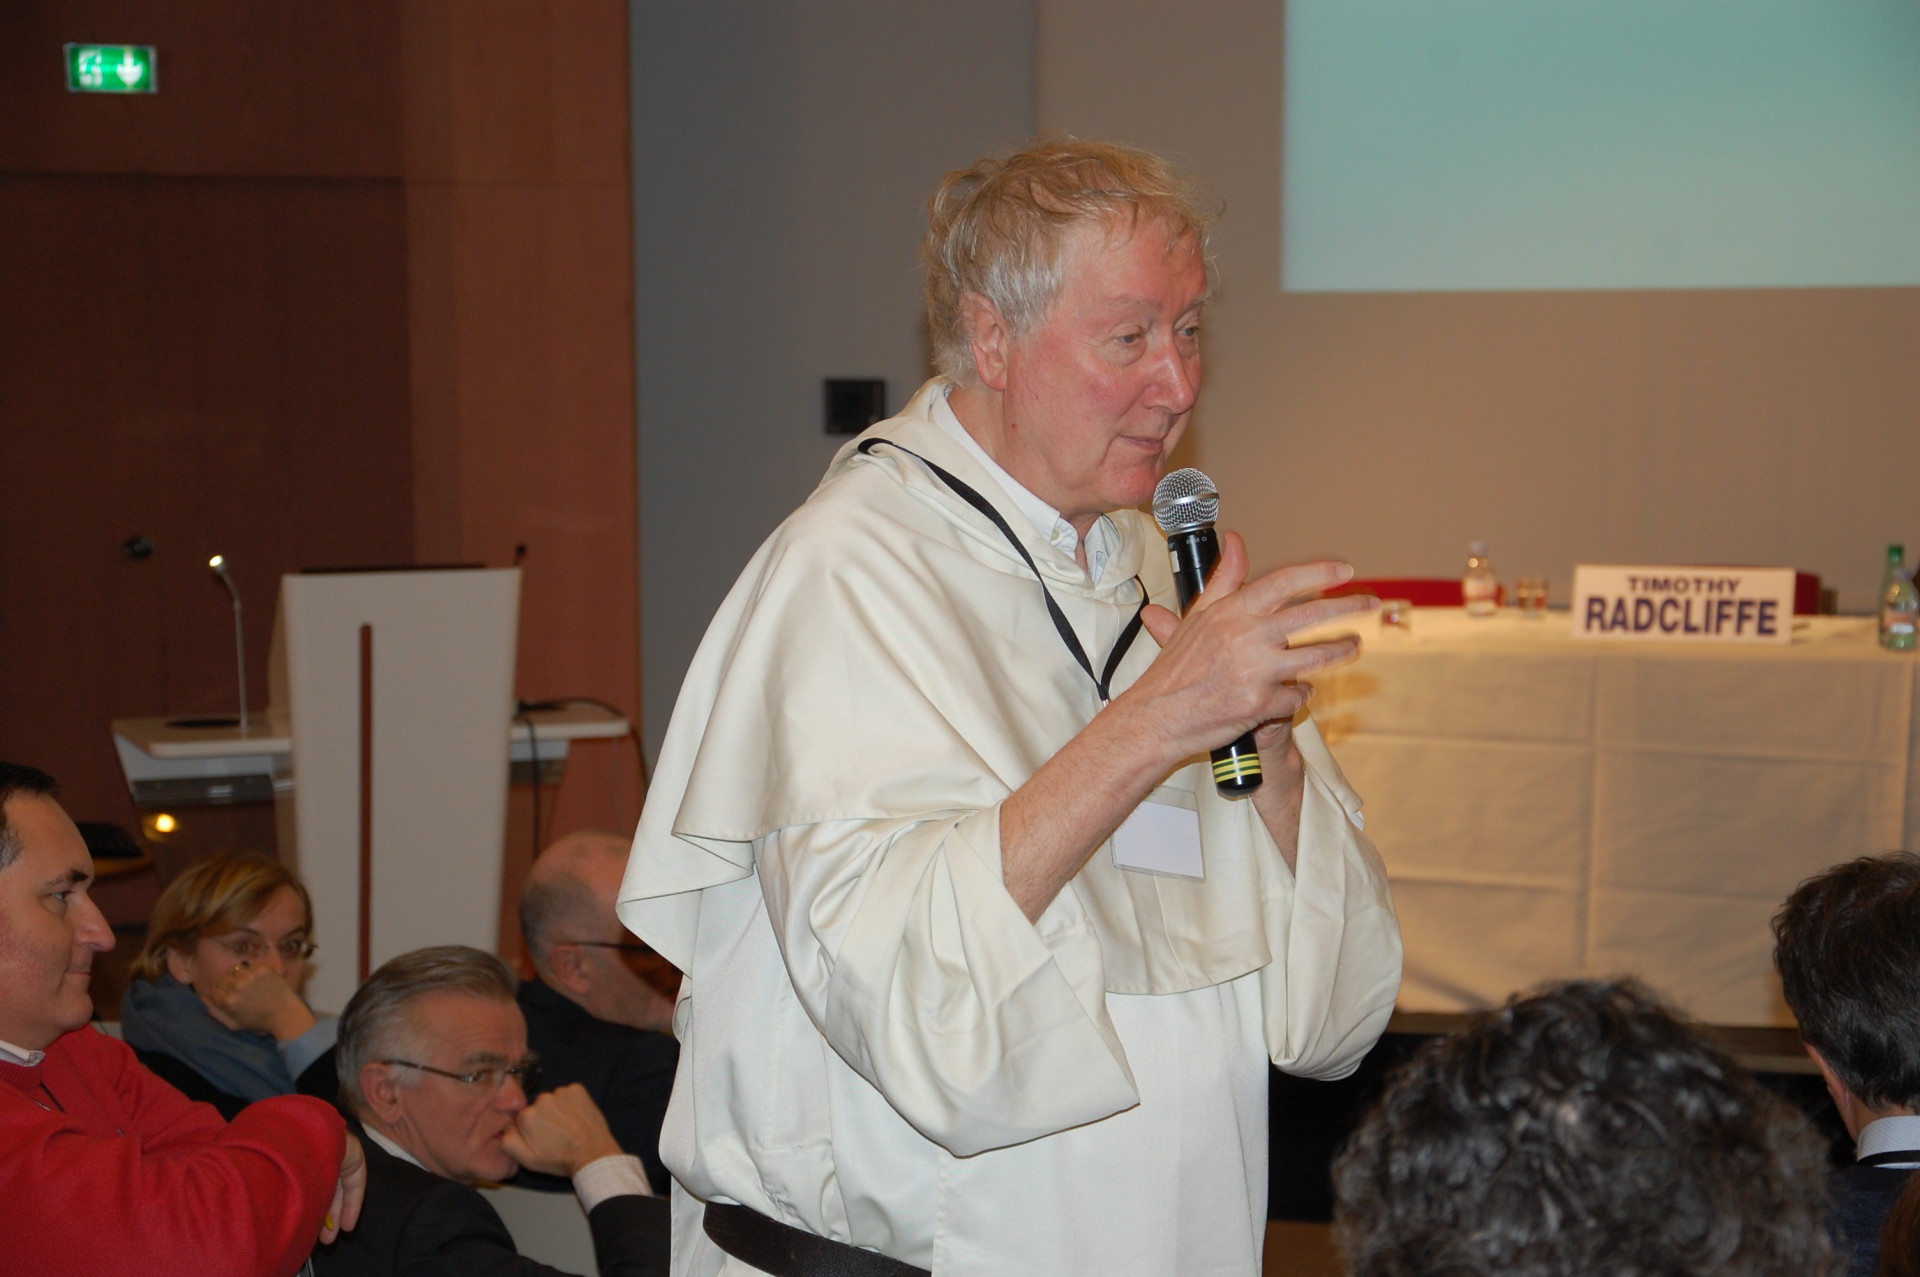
(519, 211)
(353, 288)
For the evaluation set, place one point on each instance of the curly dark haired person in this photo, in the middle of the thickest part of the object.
(1585, 1130)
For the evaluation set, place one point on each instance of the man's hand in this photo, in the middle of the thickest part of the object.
(1243, 660)
(344, 1211)
(1226, 668)
(560, 1132)
(1229, 666)
(259, 1000)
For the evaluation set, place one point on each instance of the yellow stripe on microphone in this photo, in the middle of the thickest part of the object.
(1235, 767)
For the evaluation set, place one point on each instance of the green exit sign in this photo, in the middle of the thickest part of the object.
(112, 68)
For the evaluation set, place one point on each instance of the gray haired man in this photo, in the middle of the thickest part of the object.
(434, 1066)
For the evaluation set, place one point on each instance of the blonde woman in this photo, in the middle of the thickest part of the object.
(215, 1006)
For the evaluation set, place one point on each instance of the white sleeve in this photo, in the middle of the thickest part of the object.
(980, 1028)
(616, 1175)
(1330, 990)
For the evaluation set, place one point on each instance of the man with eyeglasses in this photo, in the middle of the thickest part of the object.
(103, 1166)
(434, 1066)
(596, 1010)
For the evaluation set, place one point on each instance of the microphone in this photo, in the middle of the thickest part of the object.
(219, 565)
(1185, 505)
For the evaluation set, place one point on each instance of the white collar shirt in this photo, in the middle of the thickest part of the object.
(1102, 538)
(1892, 1134)
(14, 1055)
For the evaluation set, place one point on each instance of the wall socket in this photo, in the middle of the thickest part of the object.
(854, 403)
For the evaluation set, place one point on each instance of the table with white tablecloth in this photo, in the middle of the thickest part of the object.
(1551, 807)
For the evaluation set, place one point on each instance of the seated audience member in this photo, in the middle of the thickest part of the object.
(215, 1005)
(592, 1015)
(1580, 1130)
(104, 1167)
(1847, 944)
(1900, 1237)
(433, 1063)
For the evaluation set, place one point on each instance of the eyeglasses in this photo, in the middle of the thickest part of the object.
(624, 946)
(489, 1079)
(252, 949)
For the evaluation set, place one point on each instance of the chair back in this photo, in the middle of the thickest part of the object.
(549, 1227)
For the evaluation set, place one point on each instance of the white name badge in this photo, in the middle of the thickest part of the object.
(1160, 838)
(1683, 605)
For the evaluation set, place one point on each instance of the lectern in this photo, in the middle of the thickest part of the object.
(395, 685)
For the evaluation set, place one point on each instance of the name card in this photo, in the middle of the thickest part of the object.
(1683, 605)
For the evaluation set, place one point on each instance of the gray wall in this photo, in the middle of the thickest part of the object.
(1721, 426)
(784, 151)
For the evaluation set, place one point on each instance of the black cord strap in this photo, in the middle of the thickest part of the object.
(1892, 1157)
(1103, 681)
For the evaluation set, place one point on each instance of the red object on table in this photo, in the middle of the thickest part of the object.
(1806, 594)
(1421, 591)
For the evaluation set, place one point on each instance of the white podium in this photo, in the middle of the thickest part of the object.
(394, 686)
(387, 749)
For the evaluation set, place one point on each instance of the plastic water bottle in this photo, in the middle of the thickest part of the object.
(1899, 606)
(1479, 587)
(1896, 559)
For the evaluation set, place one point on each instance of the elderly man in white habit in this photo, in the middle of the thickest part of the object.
(909, 837)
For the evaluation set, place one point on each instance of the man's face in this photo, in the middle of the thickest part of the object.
(49, 927)
(454, 1128)
(1098, 395)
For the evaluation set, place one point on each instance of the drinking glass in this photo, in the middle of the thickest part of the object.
(1530, 595)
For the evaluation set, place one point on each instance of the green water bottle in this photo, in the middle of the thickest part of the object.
(1899, 604)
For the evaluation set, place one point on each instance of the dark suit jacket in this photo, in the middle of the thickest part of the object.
(1861, 1197)
(627, 1071)
(416, 1224)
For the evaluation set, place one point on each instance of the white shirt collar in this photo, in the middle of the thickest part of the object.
(1901, 1131)
(14, 1055)
(1102, 537)
(390, 1146)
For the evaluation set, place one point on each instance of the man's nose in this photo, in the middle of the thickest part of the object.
(1177, 380)
(90, 927)
(512, 1096)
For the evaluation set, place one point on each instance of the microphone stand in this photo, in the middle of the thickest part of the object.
(219, 565)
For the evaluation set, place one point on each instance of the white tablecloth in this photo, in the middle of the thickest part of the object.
(1551, 807)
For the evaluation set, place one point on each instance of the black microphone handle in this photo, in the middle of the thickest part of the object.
(1236, 767)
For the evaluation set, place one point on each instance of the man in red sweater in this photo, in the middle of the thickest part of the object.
(104, 1168)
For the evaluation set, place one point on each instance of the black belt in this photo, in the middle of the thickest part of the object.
(785, 1251)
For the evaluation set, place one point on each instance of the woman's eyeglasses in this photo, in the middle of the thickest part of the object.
(252, 949)
(489, 1079)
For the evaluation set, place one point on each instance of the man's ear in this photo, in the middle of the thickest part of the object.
(989, 336)
(572, 970)
(380, 1088)
(1843, 1097)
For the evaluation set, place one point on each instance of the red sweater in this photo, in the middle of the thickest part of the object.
(104, 1168)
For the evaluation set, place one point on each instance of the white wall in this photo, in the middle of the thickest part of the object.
(784, 151)
(1729, 426)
